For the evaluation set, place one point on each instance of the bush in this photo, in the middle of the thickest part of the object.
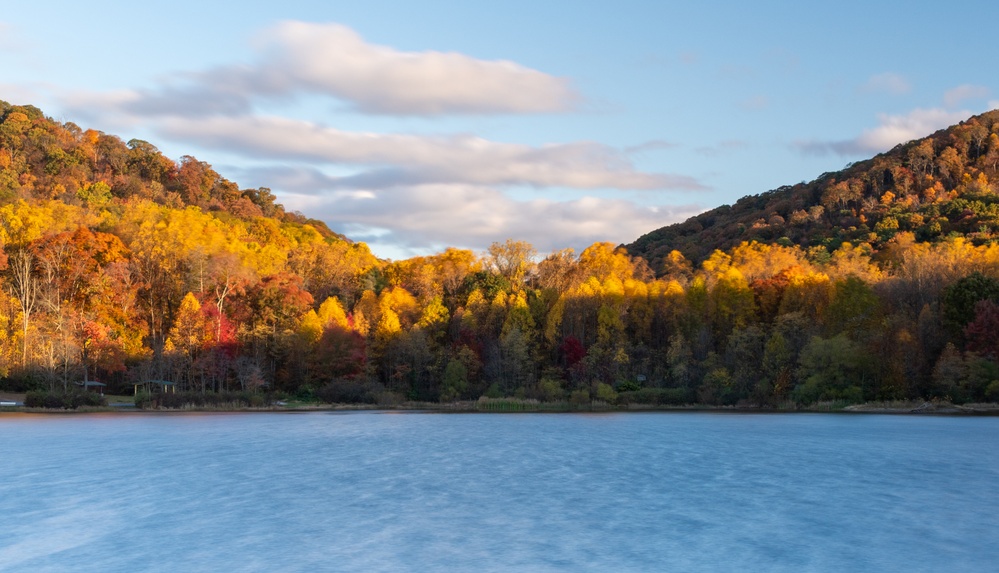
(628, 386)
(493, 391)
(389, 398)
(220, 401)
(16, 385)
(347, 391)
(305, 393)
(143, 399)
(606, 393)
(580, 398)
(992, 391)
(550, 390)
(657, 396)
(61, 401)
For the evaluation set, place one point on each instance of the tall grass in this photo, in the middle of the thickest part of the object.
(485, 404)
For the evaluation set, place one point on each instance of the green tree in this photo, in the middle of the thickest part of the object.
(834, 368)
(959, 299)
(455, 381)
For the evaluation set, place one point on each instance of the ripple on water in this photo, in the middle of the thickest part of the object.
(420, 492)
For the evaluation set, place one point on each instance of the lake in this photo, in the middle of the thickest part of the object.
(425, 492)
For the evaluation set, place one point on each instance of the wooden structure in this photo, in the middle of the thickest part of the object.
(155, 386)
(91, 386)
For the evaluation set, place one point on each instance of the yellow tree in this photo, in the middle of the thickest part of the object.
(760, 261)
(189, 334)
(434, 318)
(402, 303)
(732, 301)
(451, 267)
(559, 271)
(849, 260)
(603, 261)
(512, 259)
(331, 314)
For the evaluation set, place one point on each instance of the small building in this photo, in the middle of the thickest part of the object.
(157, 386)
(91, 386)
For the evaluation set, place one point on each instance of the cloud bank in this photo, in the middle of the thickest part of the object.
(893, 130)
(956, 96)
(334, 61)
(421, 191)
(415, 159)
(426, 217)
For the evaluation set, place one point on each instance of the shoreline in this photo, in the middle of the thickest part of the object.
(513, 406)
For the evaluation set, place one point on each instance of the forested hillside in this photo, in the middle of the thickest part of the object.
(119, 264)
(936, 188)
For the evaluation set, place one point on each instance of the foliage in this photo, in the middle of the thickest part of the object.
(182, 400)
(63, 400)
(942, 184)
(880, 281)
(349, 391)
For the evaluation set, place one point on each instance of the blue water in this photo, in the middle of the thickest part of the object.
(372, 491)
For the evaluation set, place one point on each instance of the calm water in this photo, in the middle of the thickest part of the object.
(373, 492)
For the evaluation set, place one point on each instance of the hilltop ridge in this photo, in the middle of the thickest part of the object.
(936, 187)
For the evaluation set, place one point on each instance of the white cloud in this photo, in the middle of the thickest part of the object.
(414, 192)
(333, 59)
(18, 94)
(893, 129)
(218, 109)
(964, 92)
(993, 104)
(888, 82)
(297, 58)
(410, 159)
(651, 145)
(424, 218)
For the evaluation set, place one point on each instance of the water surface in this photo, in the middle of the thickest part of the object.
(380, 491)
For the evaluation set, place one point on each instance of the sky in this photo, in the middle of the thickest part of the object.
(414, 126)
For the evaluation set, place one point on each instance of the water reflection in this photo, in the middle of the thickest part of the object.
(370, 491)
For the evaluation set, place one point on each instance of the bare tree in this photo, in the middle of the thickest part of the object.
(23, 286)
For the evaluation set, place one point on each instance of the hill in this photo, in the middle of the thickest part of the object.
(879, 282)
(941, 186)
(41, 159)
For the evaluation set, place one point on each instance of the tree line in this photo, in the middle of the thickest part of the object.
(120, 265)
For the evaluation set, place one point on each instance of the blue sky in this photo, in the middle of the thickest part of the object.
(416, 126)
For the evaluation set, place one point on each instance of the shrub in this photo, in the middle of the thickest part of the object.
(221, 400)
(628, 386)
(579, 398)
(493, 391)
(657, 396)
(22, 383)
(67, 401)
(306, 393)
(549, 390)
(348, 391)
(606, 393)
(992, 391)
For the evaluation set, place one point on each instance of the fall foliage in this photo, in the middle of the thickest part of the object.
(877, 282)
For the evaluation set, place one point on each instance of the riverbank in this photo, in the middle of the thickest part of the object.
(13, 403)
(932, 407)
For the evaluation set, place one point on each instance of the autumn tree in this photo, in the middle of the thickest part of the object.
(512, 259)
(23, 285)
